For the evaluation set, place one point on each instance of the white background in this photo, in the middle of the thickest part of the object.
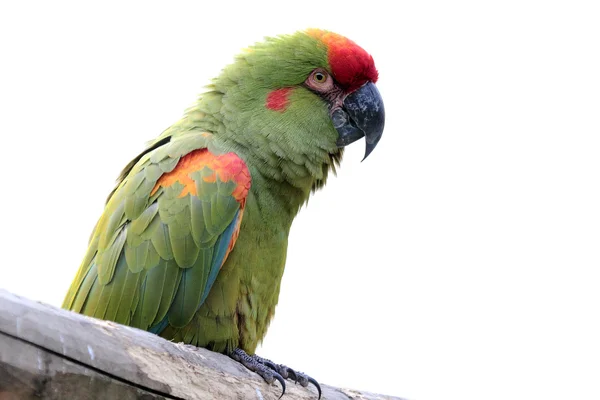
(460, 261)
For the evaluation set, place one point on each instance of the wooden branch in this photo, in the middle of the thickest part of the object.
(49, 353)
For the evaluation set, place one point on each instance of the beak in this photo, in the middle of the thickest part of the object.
(362, 114)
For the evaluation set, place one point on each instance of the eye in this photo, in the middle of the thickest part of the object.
(319, 77)
(320, 81)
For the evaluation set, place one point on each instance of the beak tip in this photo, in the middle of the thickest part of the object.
(369, 149)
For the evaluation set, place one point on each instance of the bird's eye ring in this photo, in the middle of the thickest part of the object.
(320, 81)
(319, 77)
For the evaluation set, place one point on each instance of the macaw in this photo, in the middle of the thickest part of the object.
(192, 242)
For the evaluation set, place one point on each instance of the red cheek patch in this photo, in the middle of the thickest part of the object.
(278, 100)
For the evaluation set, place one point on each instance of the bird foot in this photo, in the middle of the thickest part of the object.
(271, 371)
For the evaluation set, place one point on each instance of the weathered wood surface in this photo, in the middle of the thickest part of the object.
(49, 353)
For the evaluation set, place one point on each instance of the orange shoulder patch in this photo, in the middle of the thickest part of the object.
(226, 167)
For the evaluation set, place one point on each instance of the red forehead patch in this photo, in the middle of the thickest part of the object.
(351, 65)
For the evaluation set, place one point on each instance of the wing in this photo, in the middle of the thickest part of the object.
(166, 231)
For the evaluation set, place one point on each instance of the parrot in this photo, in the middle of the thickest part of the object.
(191, 245)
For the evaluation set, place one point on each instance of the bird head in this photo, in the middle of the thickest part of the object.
(296, 100)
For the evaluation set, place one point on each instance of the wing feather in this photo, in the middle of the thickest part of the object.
(172, 281)
(107, 260)
(77, 300)
(166, 231)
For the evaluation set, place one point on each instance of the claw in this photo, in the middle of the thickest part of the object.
(293, 375)
(256, 364)
(270, 371)
(316, 384)
(282, 381)
(271, 365)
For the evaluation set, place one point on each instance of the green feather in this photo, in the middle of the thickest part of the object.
(115, 219)
(133, 182)
(136, 256)
(168, 164)
(151, 293)
(115, 290)
(135, 205)
(139, 225)
(187, 299)
(82, 293)
(152, 172)
(185, 250)
(129, 292)
(97, 300)
(161, 242)
(172, 279)
(189, 333)
(202, 237)
(107, 260)
(152, 258)
(136, 318)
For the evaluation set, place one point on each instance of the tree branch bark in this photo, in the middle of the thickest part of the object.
(49, 353)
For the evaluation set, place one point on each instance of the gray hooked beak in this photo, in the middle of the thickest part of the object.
(361, 115)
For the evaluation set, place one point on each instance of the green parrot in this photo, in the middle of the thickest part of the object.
(192, 242)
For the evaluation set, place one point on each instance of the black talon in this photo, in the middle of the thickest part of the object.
(293, 375)
(281, 380)
(316, 384)
(269, 364)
